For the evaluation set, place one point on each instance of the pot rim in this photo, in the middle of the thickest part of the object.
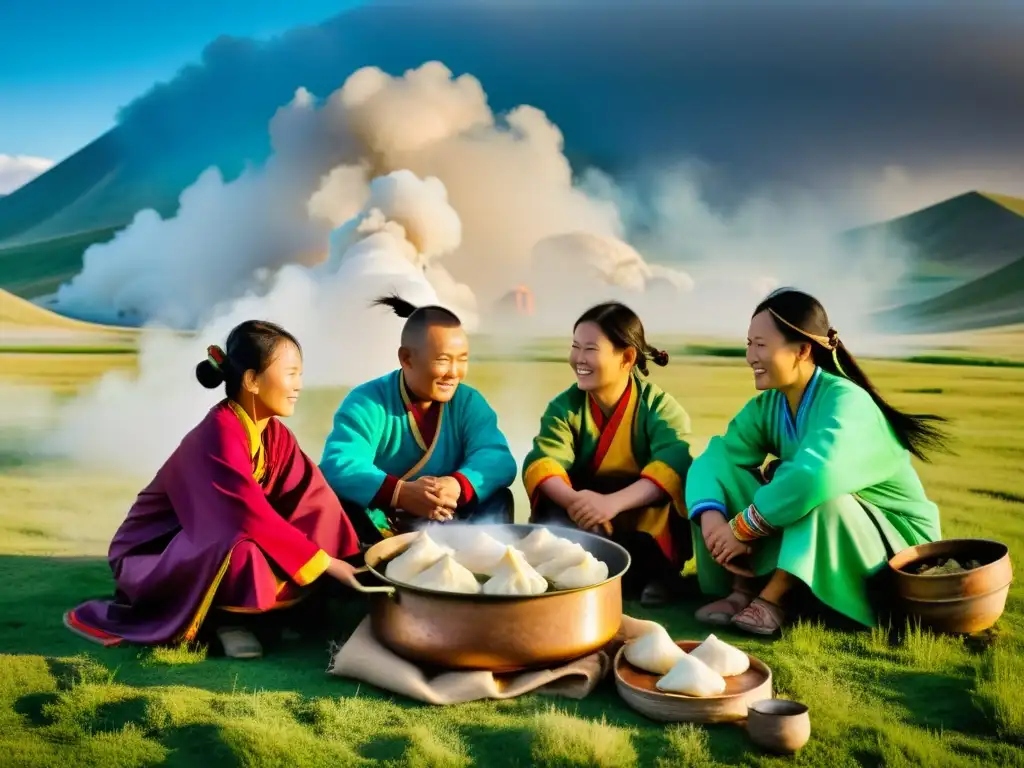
(799, 709)
(901, 560)
(481, 597)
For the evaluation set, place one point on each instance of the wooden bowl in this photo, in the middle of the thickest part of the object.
(779, 725)
(954, 603)
(637, 688)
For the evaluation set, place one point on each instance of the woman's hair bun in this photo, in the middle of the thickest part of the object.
(208, 375)
(660, 357)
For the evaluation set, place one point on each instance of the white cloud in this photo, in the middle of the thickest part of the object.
(17, 170)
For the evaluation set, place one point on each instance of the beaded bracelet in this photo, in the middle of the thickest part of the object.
(749, 525)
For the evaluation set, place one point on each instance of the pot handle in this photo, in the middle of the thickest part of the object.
(354, 583)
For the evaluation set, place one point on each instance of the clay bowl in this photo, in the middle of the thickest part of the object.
(958, 602)
(637, 688)
(779, 725)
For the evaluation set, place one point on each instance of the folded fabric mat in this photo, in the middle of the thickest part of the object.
(364, 658)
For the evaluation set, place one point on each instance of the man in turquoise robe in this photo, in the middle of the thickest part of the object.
(417, 444)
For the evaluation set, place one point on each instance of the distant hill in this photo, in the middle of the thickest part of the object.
(995, 299)
(26, 325)
(34, 269)
(17, 312)
(99, 187)
(964, 236)
(961, 255)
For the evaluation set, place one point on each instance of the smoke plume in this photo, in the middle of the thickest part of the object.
(412, 184)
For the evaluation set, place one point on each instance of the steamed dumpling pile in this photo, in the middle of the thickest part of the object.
(542, 545)
(692, 677)
(514, 576)
(685, 673)
(587, 572)
(446, 575)
(481, 553)
(419, 556)
(654, 651)
(725, 659)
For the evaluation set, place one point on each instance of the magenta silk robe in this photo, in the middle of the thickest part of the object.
(205, 533)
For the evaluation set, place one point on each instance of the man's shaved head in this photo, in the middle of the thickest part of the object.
(418, 319)
(434, 354)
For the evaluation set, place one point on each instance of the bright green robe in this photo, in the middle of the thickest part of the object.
(842, 466)
(644, 437)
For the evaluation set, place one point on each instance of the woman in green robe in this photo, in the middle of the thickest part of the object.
(840, 496)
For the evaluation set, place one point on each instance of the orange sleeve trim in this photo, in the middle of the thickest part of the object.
(541, 470)
(312, 570)
(666, 478)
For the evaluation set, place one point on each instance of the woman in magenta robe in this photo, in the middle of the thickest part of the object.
(238, 519)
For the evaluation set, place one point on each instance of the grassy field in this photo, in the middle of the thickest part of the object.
(894, 698)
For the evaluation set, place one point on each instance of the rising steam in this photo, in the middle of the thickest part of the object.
(412, 184)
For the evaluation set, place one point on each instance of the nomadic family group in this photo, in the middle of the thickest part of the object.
(810, 489)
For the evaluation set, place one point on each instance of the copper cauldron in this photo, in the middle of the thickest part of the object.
(496, 632)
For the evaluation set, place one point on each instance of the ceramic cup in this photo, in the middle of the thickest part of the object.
(778, 725)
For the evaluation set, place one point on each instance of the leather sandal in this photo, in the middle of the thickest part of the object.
(721, 612)
(239, 643)
(760, 618)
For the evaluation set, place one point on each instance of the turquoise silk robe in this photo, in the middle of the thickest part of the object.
(377, 439)
(844, 482)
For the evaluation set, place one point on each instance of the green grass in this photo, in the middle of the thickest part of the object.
(896, 697)
(984, 362)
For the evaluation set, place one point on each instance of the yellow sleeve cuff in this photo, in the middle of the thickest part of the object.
(312, 570)
(541, 470)
(666, 478)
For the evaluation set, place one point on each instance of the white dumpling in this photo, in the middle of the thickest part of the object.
(653, 651)
(446, 575)
(585, 573)
(480, 553)
(565, 557)
(542, 545)
(515, 576)
(692, 677)
(419, 556)
(727, 660)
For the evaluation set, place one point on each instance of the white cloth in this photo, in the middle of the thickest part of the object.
(365, 658)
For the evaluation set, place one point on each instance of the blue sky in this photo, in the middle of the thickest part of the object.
(66, 66)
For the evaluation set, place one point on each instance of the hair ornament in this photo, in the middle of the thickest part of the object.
(216, 356)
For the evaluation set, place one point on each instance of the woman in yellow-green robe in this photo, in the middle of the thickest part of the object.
(611, 455)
